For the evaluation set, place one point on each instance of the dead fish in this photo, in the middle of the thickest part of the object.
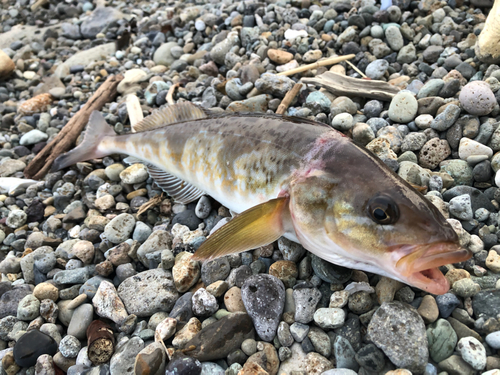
(288, 177)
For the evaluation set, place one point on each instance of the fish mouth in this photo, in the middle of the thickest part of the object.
(419, 264)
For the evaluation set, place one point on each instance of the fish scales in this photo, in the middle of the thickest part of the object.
(238, 160)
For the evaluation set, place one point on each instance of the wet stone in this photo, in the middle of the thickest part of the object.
(306, 300)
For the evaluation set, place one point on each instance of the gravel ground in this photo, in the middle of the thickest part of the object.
(74, 248)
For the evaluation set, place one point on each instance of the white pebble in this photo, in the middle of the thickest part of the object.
(469, 147)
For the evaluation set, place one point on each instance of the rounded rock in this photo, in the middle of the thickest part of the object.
(69, 346)
(473, 352)
(477, 98)
(403, 107)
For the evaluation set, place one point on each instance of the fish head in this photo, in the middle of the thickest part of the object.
(349, 208)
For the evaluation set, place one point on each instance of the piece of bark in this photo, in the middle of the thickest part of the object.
(341, 85)
(66, 138)
(101, 342)
(288, 99)
(317, 64)
(487, 47)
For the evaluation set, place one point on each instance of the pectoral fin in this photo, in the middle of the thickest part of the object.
(257, 226)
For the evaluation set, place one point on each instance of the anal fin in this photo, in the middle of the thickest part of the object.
(257, 226)
(180, 190)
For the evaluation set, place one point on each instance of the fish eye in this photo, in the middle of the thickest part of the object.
(383, 210)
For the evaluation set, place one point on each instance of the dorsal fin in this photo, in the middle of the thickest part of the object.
(172, 114)
(180, 190)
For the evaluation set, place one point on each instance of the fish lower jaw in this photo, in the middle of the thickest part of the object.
(431, 280)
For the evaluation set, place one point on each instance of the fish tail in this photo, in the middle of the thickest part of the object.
(97, 130)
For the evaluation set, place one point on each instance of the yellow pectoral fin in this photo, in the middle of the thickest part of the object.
(257, 226)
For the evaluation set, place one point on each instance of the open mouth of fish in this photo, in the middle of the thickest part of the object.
(420, 264)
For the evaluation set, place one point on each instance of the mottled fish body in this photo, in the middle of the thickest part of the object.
(291, 177)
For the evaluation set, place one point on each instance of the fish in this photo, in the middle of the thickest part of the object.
(291, 177)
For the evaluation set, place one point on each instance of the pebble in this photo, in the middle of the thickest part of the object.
(108, 304)
(403, 107)
(442, 340)
(477, 98)
(306, 300)
(472, 352)
(69, 346)
(264, 300)
(329, 318)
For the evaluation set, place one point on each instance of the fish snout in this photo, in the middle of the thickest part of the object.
(419, 265)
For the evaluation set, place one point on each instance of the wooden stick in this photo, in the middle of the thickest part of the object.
(42, 162)
(134, 110)
(356, 69)
(287, 100)
(170, 94)
(317, 64)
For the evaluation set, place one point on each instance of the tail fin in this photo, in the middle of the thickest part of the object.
(97, 129)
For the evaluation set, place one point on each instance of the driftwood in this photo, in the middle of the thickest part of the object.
(288, 99)
(66, 138)
(317, 64)
(341, 85)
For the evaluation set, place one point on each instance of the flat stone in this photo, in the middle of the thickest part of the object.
(148, 292)
(212, 342)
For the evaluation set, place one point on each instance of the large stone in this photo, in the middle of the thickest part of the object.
(264, 299)
(31, 345)
(391, 326)
(148, 292)
(98, 20)
(222, 337)
(486, 303)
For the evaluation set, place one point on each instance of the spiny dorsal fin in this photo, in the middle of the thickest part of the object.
(257, 226)
(180, 190)
(179, 112)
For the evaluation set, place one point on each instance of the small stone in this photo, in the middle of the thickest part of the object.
(316, 364)
(428, 309)
(150, 360)
(81, 318)
(33, 137)
(29, 308)
(477, 98)
(370, 358)
(185, 272)
(306, 300)
(329, 318)
(403, 107)
(299, 331)
(446, 304)
(442, 340)
(446, 119)
(233, 300)
(122, 361)
(69, 346)
(279, 57)
(119, 229)
(204, 304)
(192, 327)
(434, 152)
(469, 147)
(108, 304)
(472, 352)
(46, 291)
(461, 208)
(134, 174)
(376, 69)
(493, 340)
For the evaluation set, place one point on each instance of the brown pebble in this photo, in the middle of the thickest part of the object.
(36, 104)
(233, 301)
(428, 309)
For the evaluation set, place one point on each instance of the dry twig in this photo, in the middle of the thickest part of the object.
(149, 204)
(317, 64)
(287, 100)
(66, 138)
(134, 110)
